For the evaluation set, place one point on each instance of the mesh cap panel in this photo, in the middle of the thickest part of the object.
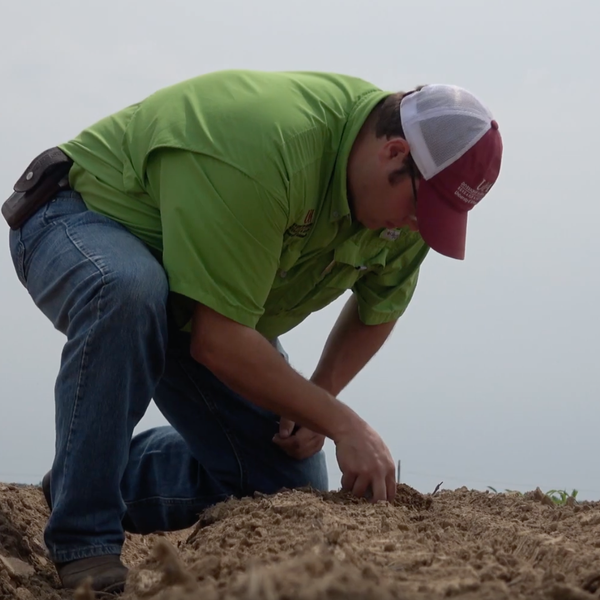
(440, 99)
(447, 136)
(442, 123)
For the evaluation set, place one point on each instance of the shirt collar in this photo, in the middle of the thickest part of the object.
(340, 208)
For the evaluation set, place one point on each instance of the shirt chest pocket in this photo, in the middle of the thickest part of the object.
(352, 261)
(311, 285)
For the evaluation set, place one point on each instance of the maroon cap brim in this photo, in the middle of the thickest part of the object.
(441, 226)
(444, 201)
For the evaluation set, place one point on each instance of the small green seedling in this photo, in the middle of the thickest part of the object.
(562, 497)
(506, 491)
(558, 497)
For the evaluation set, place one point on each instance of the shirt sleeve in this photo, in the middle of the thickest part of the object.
(222, 232)
(384, 296)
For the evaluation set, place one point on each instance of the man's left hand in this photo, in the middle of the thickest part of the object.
(302, 444)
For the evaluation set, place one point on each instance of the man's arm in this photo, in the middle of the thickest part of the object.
(245, 361)
(349, 347)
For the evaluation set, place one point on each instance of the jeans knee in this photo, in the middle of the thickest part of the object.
(309, 472)
(316, 471)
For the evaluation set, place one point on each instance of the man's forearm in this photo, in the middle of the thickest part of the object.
(349, 347)
(245, 361)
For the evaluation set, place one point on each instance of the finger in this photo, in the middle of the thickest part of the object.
(301, 438)
(317, 443)
(289, 443)
(309, 436)
(305, 436)
(299, 448)
(285, 427)
(290, 449)
(309, 442)
(309, 450)
(379, 489)
(391, 487)
(348, 480)
(361, 485)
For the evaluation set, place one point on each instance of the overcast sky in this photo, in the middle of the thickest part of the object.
(492, 377)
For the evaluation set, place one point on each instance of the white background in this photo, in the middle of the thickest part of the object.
(492, 377)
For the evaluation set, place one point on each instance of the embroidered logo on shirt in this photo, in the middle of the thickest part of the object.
(301, 230)
(391, 235)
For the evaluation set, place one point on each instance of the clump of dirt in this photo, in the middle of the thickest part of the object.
(309, 545)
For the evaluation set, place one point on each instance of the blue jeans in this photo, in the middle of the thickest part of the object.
(101, 286)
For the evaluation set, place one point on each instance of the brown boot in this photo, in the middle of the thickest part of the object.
(46, 481)
(107, 573)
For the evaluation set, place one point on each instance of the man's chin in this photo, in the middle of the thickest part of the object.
(372, 226)
(364, 222)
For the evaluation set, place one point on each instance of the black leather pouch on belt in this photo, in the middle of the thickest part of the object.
(43, 178)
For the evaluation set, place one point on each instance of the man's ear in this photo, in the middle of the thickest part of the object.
(394, 150)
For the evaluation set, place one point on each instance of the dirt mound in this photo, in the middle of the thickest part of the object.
(324, 546)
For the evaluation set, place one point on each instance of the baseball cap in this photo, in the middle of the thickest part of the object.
(456, 145)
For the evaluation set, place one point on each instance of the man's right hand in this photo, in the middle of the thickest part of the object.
(366, 463)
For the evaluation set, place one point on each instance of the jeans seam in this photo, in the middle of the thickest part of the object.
(88, 339)
(58, 220)
(87, 552)
(21, 260)
(51, 222)
(173, 501)
(228, 433)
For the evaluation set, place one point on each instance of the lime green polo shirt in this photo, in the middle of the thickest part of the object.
(237, 182)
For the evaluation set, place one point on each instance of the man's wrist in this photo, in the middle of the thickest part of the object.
(346, 420)
(345, 423)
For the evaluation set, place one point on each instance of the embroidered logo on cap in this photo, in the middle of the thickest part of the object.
(472, 196)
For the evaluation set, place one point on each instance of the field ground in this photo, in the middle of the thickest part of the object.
(311, 546)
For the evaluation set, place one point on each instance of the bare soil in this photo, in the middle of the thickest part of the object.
(312, 546)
